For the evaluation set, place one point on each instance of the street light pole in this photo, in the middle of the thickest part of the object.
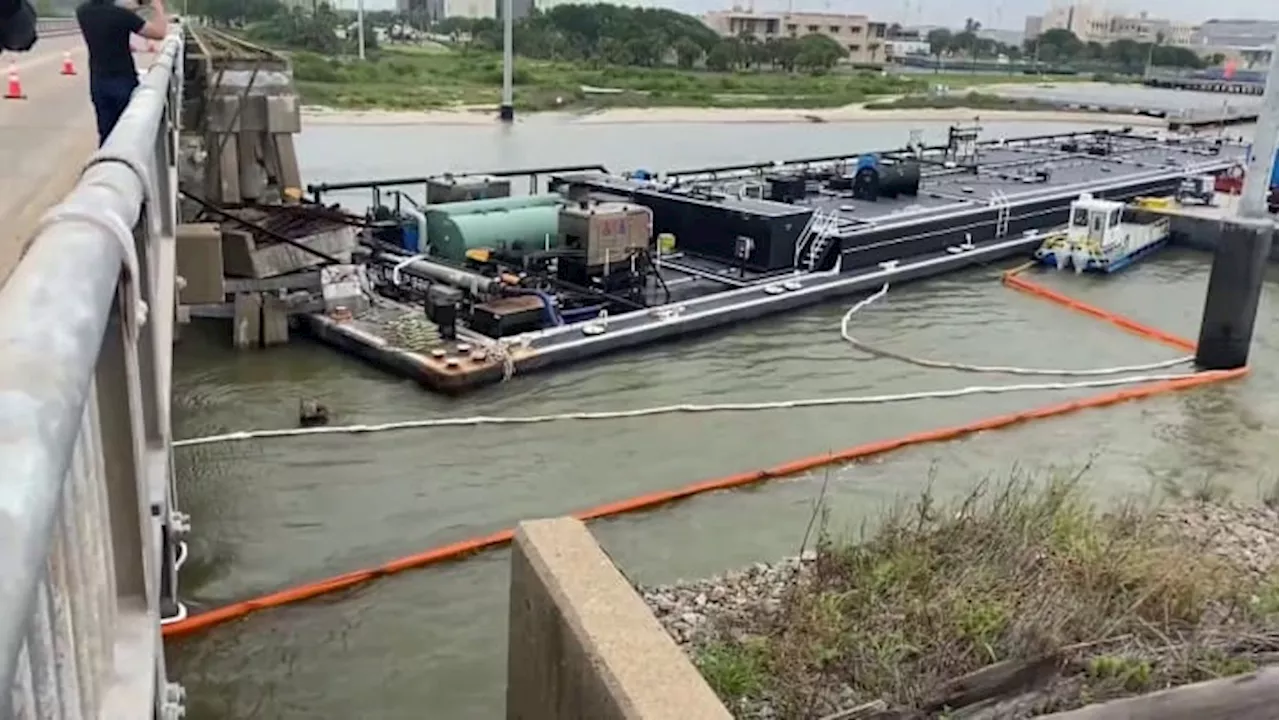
(507, 111)
(360, 27)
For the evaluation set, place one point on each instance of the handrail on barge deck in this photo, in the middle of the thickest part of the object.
(819, 159)
(317, 190)
(86, 497)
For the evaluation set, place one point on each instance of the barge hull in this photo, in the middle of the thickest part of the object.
(1004, 204)
(868, 248)
(629, 331)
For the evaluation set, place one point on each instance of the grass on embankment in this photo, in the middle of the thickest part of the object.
(415, 79)
(1096, 605)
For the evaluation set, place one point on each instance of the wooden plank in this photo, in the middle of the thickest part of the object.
(1242, 697)
(246, 329)
(1001, 679)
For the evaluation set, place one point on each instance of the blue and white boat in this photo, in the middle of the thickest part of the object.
(1100, 239)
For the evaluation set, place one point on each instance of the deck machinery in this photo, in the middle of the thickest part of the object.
(603, 261)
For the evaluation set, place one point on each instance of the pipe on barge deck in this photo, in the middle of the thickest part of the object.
(455, 277)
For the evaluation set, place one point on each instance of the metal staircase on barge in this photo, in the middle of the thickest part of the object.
(816, 237)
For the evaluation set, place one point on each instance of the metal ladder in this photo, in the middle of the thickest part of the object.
(827, 227)
(1001, 202)
(803, 238)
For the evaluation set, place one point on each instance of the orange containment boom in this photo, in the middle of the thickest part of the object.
(461, 549)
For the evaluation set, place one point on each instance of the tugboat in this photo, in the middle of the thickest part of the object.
(1099, 239)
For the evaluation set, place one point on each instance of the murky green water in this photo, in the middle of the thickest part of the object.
(431, 644)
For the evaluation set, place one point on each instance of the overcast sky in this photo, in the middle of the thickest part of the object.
(999, 14)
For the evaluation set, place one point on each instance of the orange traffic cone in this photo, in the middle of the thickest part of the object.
(68, 67)
(14, 89)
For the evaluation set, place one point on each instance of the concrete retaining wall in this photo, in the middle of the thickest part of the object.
(1201, 233)
(583, 644)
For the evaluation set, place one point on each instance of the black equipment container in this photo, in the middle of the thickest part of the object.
(888, 180)
(442, 309)
(506, 316)
(786, 188)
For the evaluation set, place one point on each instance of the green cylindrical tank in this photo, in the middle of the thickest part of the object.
(468, 207)
(502, 224)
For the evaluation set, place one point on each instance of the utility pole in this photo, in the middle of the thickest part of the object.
(360, 27)
(1151, 54)
(507, 111)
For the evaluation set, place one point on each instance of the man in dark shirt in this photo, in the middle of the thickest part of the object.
(112, 75)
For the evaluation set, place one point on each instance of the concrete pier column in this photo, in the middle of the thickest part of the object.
(1235, 281)
(1235, 286)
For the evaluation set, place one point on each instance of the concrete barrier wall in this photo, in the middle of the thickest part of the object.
(583, 644)
(1201, 233)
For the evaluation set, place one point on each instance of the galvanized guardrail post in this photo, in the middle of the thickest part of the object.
(86, 500)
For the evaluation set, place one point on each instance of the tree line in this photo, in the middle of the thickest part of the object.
(593, 34)
(649, 37)
(1061, 47)
(645, 37)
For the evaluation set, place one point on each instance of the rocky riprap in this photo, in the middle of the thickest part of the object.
(1242, 534)
(697, 613)
(735, 599)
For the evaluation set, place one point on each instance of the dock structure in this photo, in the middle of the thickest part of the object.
(1228, 87)
(1208, 119)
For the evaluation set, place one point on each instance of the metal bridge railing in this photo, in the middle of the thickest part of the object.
(55, 26)
(86, 520)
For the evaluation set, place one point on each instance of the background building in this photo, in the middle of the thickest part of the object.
(894, 49)
(434, 10)
(1248, 43)
(858, 34)
(1093, 23)
(548, 4)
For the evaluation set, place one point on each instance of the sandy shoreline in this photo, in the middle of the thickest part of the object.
(633, 116)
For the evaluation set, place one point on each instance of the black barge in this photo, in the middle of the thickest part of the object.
(616, 261)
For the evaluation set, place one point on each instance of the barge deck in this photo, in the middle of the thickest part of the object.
(747, 249)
